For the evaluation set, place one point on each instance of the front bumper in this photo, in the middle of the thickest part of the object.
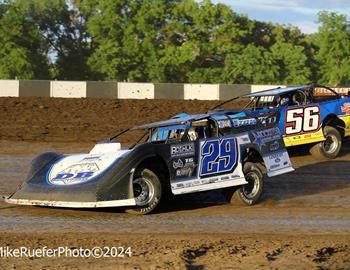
(65, 204)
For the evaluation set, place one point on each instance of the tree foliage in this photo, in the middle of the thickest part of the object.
(165, 41)
(22, 50)
(253, 65)
(333, 56)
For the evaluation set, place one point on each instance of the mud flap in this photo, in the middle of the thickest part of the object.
(277, 163)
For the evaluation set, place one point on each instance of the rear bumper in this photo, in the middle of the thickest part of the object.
(65, 204)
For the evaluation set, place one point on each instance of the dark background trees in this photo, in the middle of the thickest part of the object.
(166, 41)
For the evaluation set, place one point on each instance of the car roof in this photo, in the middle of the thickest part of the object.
(184, 118)
(174, 121)
(277, 91)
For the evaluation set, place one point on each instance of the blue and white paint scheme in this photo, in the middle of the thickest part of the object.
(82, 168)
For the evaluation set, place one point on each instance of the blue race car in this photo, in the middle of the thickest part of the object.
(313, 115)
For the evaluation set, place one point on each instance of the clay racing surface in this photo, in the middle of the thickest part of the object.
(302, 222)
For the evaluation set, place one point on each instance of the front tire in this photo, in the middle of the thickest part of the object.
(329, 148)
(250, 193)
(147, 192)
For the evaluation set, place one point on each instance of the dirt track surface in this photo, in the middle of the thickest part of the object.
(303, 221)
(87, 119)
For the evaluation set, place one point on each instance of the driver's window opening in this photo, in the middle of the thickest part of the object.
(198, 130)
(299, 97)
(283, 100)
(172, 133)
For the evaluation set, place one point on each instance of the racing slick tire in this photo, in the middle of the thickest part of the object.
(329, 148)
(147, 192)
(248, 194)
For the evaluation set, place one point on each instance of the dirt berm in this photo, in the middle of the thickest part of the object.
(85, 119)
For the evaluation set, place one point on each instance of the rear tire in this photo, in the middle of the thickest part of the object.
(329, 148)
(147, 192)
(248, 194)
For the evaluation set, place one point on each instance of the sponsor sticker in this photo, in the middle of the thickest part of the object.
(265, 136)
(243, 122)
(276, 157)
(184, 167)
(269, 120)
(178, 164)
(184, 172)
(204, 181)
(224, 123)
(180, 150)
(74, 174)
(345, 108)
(276, 160)
(274, 146)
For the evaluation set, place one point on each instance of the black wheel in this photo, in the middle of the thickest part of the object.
(249, 193)
(147, 192)
(329, 148)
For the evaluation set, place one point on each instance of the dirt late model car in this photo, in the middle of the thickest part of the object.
(314, 115)
(187, 153)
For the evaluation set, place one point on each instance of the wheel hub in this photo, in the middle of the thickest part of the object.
(143, 191)
(252, 187)
(330, 145)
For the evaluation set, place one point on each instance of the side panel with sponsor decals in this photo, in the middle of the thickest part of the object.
(183, 162)
(214, 164)
(302, 124)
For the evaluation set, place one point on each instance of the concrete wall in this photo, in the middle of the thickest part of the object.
(201, 91)
(112, 89)
(34, 88)
(9, 88)
(228, 91)
(68, 89)
(169, 91)
(136, 90)
(260, 87)
(102, 89)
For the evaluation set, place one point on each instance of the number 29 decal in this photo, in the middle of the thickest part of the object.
(218, 156)
(302, 120)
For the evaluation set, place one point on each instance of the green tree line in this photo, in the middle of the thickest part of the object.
(166, 41)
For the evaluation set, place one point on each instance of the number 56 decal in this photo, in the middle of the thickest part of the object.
(218, 156)
(302, 120)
